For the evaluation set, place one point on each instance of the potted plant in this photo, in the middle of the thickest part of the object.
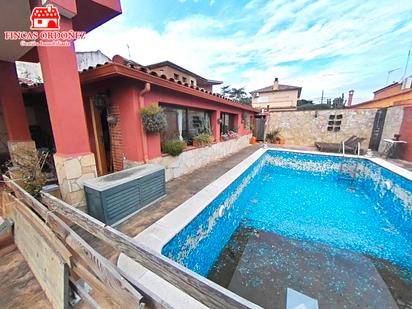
(273, 136)
(153, 118)
(224, 137)
(232, 135)
(202, 140)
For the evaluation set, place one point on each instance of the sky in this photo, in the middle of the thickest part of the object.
(328, 45)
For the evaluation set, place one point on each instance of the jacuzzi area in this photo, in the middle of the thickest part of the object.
(334, 228)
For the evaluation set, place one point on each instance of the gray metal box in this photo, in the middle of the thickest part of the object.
(111, 198)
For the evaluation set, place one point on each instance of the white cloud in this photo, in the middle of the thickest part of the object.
(361, 39)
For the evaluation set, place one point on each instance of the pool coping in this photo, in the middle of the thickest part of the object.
(162, 231)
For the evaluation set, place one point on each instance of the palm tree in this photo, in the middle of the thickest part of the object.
(237, 93)
(225, 90)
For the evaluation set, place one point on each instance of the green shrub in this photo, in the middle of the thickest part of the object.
(203, 139)
(154, 119)
(272, 135)
(173, 147)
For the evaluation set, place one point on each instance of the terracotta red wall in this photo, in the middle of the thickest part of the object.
(124, 104)
(406, 132)
(166, 96)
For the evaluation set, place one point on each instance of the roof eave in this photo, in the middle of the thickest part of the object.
(114, 69)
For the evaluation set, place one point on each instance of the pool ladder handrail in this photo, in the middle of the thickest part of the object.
(355, 173)
(358, 149)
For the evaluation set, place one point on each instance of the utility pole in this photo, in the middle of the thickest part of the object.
(321, 98)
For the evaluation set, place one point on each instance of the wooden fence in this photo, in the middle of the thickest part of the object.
(85, 263)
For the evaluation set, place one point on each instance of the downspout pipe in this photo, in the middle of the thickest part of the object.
(142, 94)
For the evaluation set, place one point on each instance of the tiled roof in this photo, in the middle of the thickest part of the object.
(26, 82)
(184, 86)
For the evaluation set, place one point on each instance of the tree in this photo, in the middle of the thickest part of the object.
(338, 102)
(304, 102)
(240, 95)
(247, 100)
(225, 90)
(237, 93)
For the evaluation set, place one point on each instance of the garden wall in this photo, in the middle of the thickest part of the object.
(193, 159)
(304, 128)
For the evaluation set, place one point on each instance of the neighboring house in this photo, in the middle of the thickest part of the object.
(392, 95)
(29, 73)
(276, 97)
(172, 70)
(90, 59)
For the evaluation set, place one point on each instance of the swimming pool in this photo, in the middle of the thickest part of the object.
(335, 228)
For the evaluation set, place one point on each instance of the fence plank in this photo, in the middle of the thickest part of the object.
(115, 284)
(193, 284)
(86, 298)
(44, 260)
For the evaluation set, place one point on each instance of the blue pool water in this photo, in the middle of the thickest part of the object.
(341, 203)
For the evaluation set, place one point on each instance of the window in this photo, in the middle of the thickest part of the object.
(176, 76)
(228, 123)
(192, 82)
(185, 123)
(184, 79)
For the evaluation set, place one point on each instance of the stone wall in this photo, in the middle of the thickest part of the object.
(393, 121)
(193, 159)
(304, 128)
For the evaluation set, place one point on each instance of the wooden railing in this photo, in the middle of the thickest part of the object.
(82, 260)
(108, 277)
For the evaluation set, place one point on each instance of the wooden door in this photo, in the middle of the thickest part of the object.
(101, 161)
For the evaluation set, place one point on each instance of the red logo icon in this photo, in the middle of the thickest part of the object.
(45, 18)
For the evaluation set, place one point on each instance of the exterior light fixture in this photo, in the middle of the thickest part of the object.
(101, 100)
(111, 120)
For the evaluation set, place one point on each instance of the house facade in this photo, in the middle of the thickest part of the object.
(276, 97)
(395, 94)
(189, 111)
(113, 92)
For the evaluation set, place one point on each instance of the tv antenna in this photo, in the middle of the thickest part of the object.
(407, 62)
(389, 74)
(128, 49)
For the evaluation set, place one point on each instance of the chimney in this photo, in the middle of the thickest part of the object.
(276, 84)
(350, 97)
